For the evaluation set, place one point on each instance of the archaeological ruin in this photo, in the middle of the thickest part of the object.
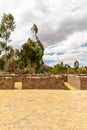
(42, 81)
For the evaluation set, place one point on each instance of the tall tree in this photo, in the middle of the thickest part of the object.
(34, 30)
(31, 52)
(7, 25)
(76, 64)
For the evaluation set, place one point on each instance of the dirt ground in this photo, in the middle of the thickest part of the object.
(43, 110)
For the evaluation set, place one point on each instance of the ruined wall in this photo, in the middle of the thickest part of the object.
(48, 82)
(42, 81)
(6, 83)
(74, 80)
(78, 81)
(32, 82)
(83, 82)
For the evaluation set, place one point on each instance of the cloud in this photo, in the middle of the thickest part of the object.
(61, 32)
(74, 48)
(62, 26)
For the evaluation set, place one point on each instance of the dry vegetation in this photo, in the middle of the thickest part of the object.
(43, 110)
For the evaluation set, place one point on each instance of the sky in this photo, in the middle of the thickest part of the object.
(62, 27)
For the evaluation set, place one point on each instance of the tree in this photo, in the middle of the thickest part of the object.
(11, 64)
(7, 25)
(59, 68)
(34, 30)
(76, 64)
(2, 64)
(70, 71)
(82, 70)
(31, 53)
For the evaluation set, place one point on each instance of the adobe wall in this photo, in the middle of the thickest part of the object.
(83, 82)
(74, 80)
(78, 81)
(43, 81)
(6, 83)
(32, 82)
(48, 82)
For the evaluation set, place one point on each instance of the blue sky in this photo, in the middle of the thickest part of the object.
(62, 27)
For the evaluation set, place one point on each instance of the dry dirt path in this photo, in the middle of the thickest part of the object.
(43, 110)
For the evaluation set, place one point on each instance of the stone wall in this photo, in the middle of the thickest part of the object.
(83, 82)
(32, 82)
(74, 80)
(48, 82)
(78, 81)
(6, 83)
(42, 81)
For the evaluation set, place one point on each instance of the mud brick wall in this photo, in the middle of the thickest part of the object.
(33, 82)
(83, 82)
(78, 81)
(6, 83)
(43, 83)
(74, 80)
(65, 77)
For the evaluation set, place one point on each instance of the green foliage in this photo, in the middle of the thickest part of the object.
(10, 65)
(2, 47)
(7, 25)
(62, 69)
(21, 65)
(2, 62)
(82, 70)
(29, 59)
(59, 68)
(70, 71)
(11, 52)
(30, 69)
(31, 53)
(34, 29)
(54, 70)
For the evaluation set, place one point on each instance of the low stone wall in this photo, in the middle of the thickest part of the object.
(32, 82)
(42, 81)
(6, 83)
(48, 82)
(74, 80)
(78, 81)
(83, 82)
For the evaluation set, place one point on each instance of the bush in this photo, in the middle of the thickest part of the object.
(10, 65)
(82, 70)
(70, 71)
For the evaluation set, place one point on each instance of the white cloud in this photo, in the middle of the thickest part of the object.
(62, 26)
(68, 50)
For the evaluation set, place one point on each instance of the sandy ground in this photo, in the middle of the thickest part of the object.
(43, 110)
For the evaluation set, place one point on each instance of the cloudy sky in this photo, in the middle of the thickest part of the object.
(62, 27)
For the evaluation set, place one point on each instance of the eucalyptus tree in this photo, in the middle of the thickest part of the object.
(31, 52)
(7, 26)
(34, 30)
(76, 64)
